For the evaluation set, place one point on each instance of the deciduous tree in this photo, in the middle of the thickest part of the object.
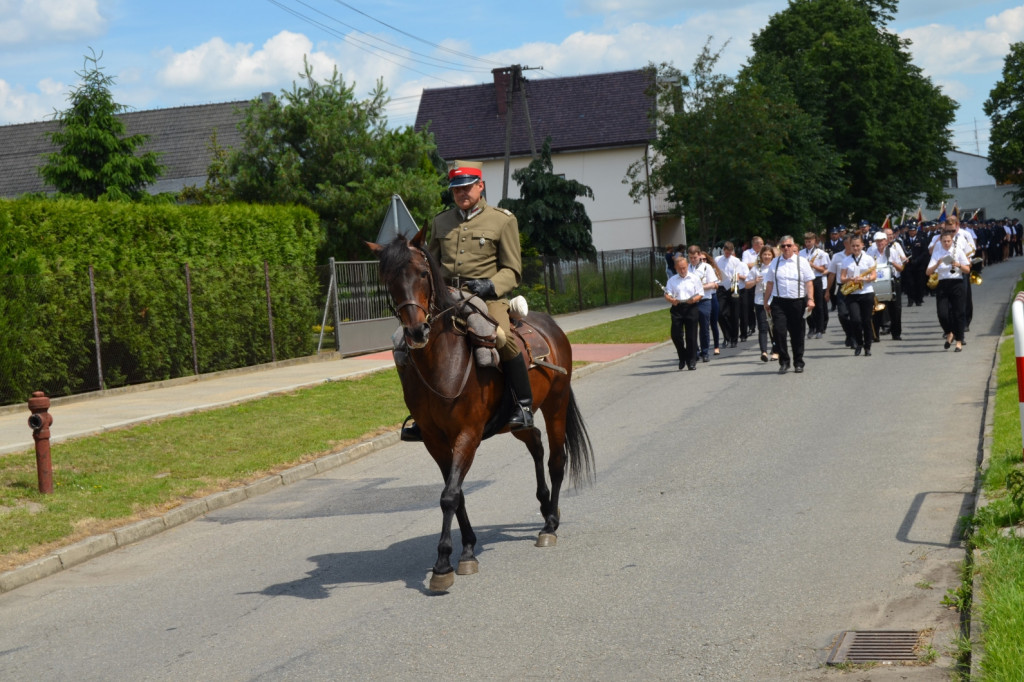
(729, 156)
(886, 120)
(1005, 108)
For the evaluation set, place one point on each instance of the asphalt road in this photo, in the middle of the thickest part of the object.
(740, 521)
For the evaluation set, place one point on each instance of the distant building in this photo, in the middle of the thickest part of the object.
(971, 187)
(598, 124)
(183, 135)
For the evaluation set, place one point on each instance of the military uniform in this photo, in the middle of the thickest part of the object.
(481, 244)
(478, 249)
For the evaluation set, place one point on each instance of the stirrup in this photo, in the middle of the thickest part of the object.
(411, 434)
(521, 419)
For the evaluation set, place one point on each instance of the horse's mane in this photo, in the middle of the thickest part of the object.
(397, 255)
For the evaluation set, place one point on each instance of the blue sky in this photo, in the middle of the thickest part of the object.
(166, 54)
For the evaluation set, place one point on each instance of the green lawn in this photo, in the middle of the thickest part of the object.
(1000, 604)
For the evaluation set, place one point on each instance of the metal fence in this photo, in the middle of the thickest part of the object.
(69, 332)
(556, 286)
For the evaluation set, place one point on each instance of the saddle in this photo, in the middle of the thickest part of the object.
(481, 331)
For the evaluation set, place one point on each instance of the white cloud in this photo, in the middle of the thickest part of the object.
(644, 10)
(942, 50)
(241, 70)
(16, 105)
(38, 21)
(635, 45)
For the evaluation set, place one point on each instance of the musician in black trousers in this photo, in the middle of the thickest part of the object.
(788, 291)
(952, 266)
(858, 270)
(913, 277)
(684, 291)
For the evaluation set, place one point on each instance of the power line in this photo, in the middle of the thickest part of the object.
(439, 62)
(376, 52)
(417, 38)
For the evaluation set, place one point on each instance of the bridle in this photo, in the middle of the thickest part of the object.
(431, 303)
(429, 320)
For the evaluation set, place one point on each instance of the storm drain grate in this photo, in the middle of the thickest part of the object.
(878, 646)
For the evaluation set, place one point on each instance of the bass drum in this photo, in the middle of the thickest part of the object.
(883, 285)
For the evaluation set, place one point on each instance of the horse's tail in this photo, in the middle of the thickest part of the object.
(577, 446)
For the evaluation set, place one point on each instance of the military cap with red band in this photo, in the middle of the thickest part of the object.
(465, 173)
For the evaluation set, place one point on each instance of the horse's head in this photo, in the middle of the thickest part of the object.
(414, 283)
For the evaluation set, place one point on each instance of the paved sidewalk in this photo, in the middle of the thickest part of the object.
(77, 416)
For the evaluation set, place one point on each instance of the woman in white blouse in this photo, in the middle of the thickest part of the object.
(859, 268)
(755, 280)
(952, 264)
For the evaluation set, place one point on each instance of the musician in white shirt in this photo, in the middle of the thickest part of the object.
(819, 261)
(952, 265)
(684, 291)
(889, 256)
(788, 291)
(859, 269)
(962, 241)
(835, 270)
(755, 285)
(750, 258)
(709, 279)
(728, 295)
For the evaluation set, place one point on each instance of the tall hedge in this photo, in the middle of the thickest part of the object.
(138, 253)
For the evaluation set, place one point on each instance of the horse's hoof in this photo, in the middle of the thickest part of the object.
(468, 567)
(547, 540)
(440, 582)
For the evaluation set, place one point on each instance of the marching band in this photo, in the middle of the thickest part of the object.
(862, 274)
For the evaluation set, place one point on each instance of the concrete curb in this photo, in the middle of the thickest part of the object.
(92, 547)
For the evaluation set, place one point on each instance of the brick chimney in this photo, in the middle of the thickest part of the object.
(502, 83)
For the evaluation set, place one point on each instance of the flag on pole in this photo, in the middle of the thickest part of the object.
(942, 213)
(920, 215)
(886, 223)
(956, 210)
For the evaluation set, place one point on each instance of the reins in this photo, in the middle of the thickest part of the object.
(431, 320)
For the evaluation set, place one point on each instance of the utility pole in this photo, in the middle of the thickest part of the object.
(515, 83)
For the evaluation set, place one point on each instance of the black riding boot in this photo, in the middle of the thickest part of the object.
(518, 378)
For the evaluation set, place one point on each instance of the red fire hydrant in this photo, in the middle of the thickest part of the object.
(40, 421)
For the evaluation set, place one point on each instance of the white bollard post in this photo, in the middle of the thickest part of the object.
(1017, 312)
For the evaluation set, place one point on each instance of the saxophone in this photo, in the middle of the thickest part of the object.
(850, 286)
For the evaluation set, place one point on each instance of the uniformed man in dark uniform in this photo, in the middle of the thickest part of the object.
(477, 246)
(916, 248)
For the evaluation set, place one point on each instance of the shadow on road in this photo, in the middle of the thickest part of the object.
(406, 561)
(935, 502)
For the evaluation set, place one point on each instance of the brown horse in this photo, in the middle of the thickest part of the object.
(455, 403)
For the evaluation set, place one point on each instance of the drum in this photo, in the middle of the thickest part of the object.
(883, 285)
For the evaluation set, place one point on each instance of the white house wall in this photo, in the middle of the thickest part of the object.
(618, 222)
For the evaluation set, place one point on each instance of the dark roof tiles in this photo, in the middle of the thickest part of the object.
(580, 112)
(182, 134)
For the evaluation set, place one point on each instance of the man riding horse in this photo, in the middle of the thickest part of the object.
(477, 246)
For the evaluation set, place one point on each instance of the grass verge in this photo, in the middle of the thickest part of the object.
(1000, 604)
(105, 481)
